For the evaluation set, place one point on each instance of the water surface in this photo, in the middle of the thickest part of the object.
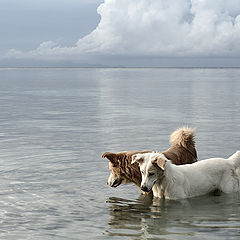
(56, 123)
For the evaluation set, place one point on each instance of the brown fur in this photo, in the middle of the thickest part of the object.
(182, 151)
(120, 164)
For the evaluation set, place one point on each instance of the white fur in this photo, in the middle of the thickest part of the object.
(234, 157)
(190, 180)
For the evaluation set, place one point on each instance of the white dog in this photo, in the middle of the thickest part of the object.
(183, 181)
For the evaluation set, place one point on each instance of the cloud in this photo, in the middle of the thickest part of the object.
(157, 28)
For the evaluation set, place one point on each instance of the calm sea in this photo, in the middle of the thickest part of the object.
(56, 123)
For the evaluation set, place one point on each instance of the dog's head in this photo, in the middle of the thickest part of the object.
(117, 175)
(152, 167)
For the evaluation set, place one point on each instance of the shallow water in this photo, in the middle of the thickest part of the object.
(56, 123)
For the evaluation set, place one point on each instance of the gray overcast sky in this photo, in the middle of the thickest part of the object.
(120, 33)
(25, 24)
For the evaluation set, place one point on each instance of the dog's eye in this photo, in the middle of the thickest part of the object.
(142, 172)
(150, 174)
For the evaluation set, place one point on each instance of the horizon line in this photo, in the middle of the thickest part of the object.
(121, 67)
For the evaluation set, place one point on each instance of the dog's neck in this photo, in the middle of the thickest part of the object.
(162, 187)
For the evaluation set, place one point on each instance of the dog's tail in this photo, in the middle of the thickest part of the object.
(184, 137)
(236, 159)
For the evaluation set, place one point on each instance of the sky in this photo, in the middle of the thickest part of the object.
(128, 33)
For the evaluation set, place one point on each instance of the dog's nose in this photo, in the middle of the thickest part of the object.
(144, 188)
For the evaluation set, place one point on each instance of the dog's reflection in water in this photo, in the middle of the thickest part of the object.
(147, 218)
(135, 218)
(126, 216)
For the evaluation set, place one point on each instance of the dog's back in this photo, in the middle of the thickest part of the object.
(183, 149)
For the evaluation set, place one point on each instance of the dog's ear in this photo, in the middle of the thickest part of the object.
(112, 157)
(159, 162)
(137, 158)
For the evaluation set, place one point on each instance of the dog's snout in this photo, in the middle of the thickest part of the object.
(115, 183)
(144, 188)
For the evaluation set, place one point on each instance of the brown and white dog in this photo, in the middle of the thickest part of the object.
(182, 151)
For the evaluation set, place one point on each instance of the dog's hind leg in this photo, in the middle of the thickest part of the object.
(230, 182)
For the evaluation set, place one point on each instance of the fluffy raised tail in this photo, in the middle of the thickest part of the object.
(236, 159)
(184, 137)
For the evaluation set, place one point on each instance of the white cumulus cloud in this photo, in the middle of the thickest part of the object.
(172, 28)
